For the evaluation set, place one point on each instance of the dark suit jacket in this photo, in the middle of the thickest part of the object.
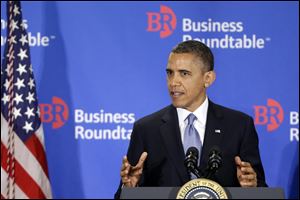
(159, 135)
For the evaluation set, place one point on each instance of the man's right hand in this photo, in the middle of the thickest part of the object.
(131, 174)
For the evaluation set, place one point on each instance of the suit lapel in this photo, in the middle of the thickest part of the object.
(213, 133)
(170, 133)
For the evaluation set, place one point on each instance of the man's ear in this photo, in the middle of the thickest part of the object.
(209, 78)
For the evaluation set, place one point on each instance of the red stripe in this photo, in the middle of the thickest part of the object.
(36, 148)
(2, 197)
(22, 178)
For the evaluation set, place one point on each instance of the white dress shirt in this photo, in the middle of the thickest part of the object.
(199, 123)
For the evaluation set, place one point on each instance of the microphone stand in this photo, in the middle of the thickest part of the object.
(193, 169)
(212, 167)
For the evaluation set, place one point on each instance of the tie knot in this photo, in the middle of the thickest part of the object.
(191, 118)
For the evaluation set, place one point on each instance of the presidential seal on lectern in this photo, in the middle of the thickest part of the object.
(201, 188)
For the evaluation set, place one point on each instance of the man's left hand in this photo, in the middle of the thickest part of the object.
(245, 173)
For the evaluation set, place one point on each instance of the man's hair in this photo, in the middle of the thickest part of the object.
(199, 49)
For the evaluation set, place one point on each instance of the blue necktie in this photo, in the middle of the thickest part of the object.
(191, 136)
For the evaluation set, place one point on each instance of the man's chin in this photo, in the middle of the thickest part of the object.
(177, 105)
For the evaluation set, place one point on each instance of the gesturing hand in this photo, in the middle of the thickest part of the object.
(245, 173)
(131, 174)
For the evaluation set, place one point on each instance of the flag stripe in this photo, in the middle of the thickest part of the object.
(19, 193)
(25, 158)
(23, 180)
(35, 147)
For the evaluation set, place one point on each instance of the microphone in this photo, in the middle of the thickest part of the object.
(214, 162)
(191, 161)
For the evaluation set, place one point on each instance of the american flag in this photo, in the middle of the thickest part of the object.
(24, 171)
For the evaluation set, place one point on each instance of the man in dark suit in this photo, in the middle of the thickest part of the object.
(159, 141)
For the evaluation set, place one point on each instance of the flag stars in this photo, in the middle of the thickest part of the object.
(22, 54)
(16, 10)
(17, 76)
(6, 70)
(21, 69)
(17, 113)
(18, 98)
(13, 25)
(12, 39)
(30, 69)
(23, 39)
(19, 83)
(30, 97)
(29, 113)
(28, 127)
(5, 98)
(24, 25)
(6, 84)
(31, 83)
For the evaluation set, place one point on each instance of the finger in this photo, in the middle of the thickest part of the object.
(126, 181)
(124, 173)
(247, 170)
(136, 172)
(245, 164)
(238, 160)
(125, 164)
(124, 160)
(248, 177)
(248, 183)
(238, 172)
(142, 160)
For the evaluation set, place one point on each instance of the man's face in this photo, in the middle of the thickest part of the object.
(186, 80)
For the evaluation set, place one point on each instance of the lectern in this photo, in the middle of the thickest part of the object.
(171, 193)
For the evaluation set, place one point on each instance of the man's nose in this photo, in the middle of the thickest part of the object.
(175, 81)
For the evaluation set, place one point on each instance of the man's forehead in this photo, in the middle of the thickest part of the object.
(184, 59)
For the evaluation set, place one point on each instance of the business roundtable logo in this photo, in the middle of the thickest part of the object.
(99, 125)
(272, 116)
(56, 113)
(163, 22)
(223, 34)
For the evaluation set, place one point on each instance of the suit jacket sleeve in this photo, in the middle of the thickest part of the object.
(249, 152)
(135, 149)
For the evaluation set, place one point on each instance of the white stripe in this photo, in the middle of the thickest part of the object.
(27, 161)
(4, 131)
(40, 135)
(19, 194)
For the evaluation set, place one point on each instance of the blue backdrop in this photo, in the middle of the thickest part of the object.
(101, 65)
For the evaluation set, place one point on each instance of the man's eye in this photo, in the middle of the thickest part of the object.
(169, 73)
(184, 73)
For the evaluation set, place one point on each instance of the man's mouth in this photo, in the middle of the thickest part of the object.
(176, 93)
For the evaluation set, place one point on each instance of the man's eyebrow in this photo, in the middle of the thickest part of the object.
(183, 70)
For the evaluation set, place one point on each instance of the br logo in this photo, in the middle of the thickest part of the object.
(163, 22)
(270, 115)
(56, 113)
